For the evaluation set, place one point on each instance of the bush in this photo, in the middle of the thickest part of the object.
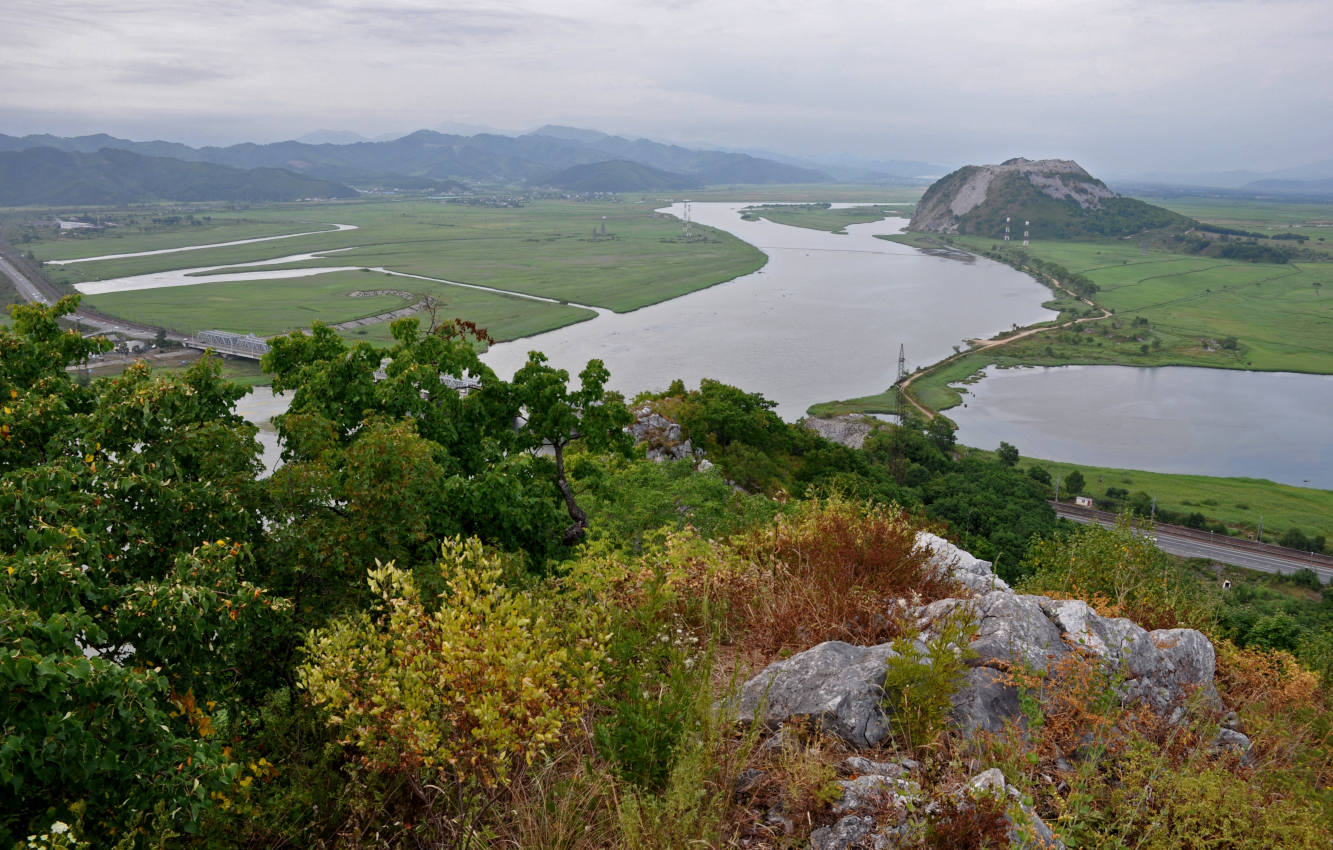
(1121, 572)
(920, 682)
(460, 696)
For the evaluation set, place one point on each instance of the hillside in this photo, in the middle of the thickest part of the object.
(438, 156)
(1060, 199)
(615, 176)
(109, 176)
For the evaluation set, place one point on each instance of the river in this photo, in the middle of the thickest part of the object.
(1274, 425)
(823, 319)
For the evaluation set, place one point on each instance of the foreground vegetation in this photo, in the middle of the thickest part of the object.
(420, 631)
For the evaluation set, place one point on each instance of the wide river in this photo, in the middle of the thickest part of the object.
(822, 320)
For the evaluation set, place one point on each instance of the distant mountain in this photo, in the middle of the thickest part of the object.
(1056, 195)
(484, 158)
(1294, 188)
(1237, 179)
(331, 137)
(95, 143)
(110, 176)
(616, 176)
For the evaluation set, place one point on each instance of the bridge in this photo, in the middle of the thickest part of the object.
(248, 346)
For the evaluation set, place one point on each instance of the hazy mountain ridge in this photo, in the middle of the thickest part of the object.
(617, 175)
(109, 176)
(1059, 197)
(439, 156)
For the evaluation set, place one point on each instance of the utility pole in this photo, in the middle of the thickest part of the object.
(1057, 489)
(898, 383)
(1260, 535)
(1153, 516)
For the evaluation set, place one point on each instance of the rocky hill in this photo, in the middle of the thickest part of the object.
(1057, 196)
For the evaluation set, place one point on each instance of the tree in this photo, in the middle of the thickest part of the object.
(119, 631)
(1007, 454)
(1074, 483)
(941, 433)
(557, 417)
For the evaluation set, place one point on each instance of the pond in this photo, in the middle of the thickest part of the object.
(1274, 425)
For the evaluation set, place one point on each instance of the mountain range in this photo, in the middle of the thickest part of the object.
(427, 155)
(45, 175)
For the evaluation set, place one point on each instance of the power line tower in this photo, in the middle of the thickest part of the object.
(1006, 228)
(898, 384)
(1025, 232)
(686, 228)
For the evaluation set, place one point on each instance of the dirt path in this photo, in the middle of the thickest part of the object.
(999, 342)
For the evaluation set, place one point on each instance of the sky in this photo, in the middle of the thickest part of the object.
(1123, 86)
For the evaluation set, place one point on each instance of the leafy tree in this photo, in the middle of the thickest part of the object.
(942, 433)
(1074, 483)
(557, 417)
(1007, 454)
(119, 631)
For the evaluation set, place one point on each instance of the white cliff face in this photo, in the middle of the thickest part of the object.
(958, 194)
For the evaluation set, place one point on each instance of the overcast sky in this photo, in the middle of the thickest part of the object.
(1123, 86)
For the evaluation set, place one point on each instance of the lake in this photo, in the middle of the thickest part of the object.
(1275, 425)
(822, 320)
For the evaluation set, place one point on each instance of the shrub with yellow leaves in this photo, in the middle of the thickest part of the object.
(464, 693)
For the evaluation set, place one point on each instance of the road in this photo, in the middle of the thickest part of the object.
(1189, 543)
(36, 291)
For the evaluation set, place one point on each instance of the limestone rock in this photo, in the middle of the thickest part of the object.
(973, 573)
(847, 430)
(1026, 828)
(874, 793)
(662, 438)
(837, 684)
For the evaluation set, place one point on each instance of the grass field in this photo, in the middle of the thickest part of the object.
(1281, 316)
(547, 248)
(819, 217)
(1235, 502)
(291, 304)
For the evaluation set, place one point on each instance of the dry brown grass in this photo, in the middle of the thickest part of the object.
(833, 570)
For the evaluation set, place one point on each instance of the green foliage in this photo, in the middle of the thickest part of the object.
(635, 504)
(654, 671)
(1074, 483)
(1007, 454)
(922, 678)
(88, 740)
(1121, 572)
(467, 692)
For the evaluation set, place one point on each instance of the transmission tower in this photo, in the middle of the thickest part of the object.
(901, 398)
(1025, 232)
(687, 220)
(1006, 228)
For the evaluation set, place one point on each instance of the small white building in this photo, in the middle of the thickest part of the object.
(1083, 501)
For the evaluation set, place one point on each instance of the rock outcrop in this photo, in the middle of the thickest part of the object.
(662, 439)
(848, 430)
(839, 688)
(1058, 196)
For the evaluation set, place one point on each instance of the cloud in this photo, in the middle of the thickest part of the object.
(1119, 80)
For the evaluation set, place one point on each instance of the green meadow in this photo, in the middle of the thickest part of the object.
(552, 249)
(1235, 502)
(820, 217)
(1280, 316)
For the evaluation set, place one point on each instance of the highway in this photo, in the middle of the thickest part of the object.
(40, 292)
(1189, 543)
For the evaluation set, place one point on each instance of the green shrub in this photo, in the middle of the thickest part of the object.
(920, 682)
